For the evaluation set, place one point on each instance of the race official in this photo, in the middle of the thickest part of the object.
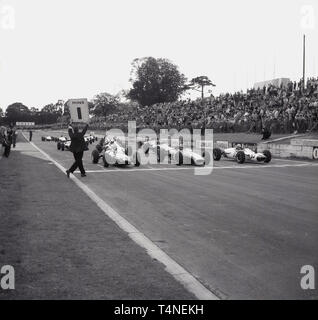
(8, 141)
(78, 146)
(14, 135)
(2, 140)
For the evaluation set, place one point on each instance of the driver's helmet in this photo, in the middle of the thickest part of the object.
(239, 147)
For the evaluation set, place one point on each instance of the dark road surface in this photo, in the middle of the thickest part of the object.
(62, 246)
(244, 231)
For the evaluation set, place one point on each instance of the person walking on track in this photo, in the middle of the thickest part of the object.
(78, 146)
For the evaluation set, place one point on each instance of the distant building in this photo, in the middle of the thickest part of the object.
(275, 82)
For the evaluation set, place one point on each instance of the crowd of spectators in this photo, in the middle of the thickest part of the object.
(284, 109)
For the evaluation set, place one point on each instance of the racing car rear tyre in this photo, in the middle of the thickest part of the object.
(207, 157)
(217, 154)
(95, 156)
(99, 148)
(161, 155)
(128, 151)
(137, 159)
(58, 146)
(106, 164)
(62, 147)
(240, 157)
(268, 156)
(179, 158)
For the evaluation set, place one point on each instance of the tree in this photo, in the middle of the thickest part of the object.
(103, 104)
(52, 108)
(199, 83)
(155, 81)
(1, 116)
(17, 112)
(34, 110)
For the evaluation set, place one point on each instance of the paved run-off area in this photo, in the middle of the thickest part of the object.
(243, 231)
(61, 244)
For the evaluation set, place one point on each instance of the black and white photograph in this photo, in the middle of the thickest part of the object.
(159, 155)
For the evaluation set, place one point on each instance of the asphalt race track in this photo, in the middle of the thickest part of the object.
(244, 231)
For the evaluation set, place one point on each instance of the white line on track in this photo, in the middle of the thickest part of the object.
(171, 266)
(286, 137)
(255, 166)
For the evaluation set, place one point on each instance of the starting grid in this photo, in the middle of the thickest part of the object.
(286, 163)
(223, 164)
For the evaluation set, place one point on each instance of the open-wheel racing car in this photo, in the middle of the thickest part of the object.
(47, 138)
(112, 152)
(241, 154)
(90, 138)
(63, 143)
(181, 155)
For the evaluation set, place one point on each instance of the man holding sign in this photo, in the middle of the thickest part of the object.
(79, 114)
(78, 146)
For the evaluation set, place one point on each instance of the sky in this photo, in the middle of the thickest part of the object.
(63, 49)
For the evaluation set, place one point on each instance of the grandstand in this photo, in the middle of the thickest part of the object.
(280, 106)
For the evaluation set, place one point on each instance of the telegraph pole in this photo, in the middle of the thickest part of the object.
(304, 60)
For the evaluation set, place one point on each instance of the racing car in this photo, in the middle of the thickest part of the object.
(180, 154)
(90, 138)
(47, 138)
(241, 154)
(112, 152)
(62, 143)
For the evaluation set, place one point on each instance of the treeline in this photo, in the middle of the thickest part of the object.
(18, 112)
(153, 81)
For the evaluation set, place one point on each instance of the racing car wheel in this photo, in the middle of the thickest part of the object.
(207, 157)
(268, 156)
(217, 154)
(179, 158)
(240, 157)
(137, 159)
(106, 164)
(95, 156)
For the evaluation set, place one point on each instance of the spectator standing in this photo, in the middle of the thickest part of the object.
(14, 135)
(8, 141)
(2, 140)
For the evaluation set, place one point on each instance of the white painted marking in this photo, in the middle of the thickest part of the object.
(296, 161)
(283, 138)
(256, 166)
(171, 266)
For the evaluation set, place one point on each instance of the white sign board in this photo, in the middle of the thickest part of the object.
(24, 124)
(78, 110)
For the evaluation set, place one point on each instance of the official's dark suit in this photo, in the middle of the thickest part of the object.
(78, 146)
(8, 142)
